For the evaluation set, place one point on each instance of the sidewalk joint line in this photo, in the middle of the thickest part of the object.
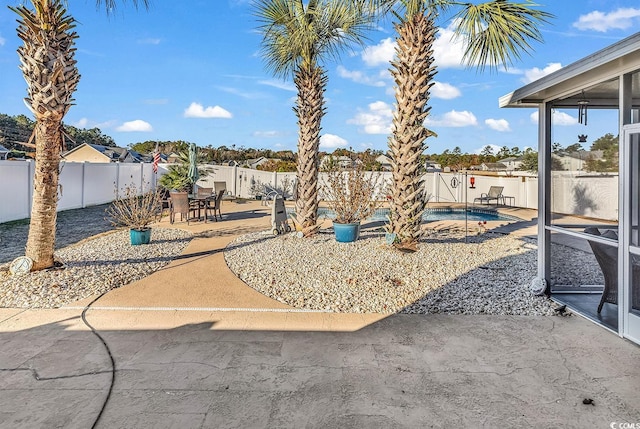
(206, 309)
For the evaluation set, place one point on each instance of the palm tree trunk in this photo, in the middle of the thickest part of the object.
(413, 72)
(42, 229)
(311, 83)
(49, 68)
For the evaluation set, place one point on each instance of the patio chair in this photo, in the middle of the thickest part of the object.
(495, 193)
(179, 203)
(204, 200)
(216, 205)
(607, 257)
(165, 203)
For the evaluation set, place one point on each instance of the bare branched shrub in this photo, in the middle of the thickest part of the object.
(350, 191)
(132, 210)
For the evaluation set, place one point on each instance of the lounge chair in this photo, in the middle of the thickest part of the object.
(495, 193)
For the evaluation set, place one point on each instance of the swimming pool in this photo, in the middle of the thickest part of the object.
(437, 214)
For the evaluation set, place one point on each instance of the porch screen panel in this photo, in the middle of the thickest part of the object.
(584, 172)
(635, 282)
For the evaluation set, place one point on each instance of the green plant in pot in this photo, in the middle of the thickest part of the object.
(350, 192)
(136, 211)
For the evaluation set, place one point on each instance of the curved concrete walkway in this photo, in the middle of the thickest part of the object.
(194, 347)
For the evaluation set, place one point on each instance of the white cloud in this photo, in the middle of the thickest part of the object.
(536, 73)
(359, 77)
(498, 124)
(135, 126)
(197, 110)
(494, 147)
(380, 54)
(557, 118)
(279, 84)
(445, 91)
(88, 124)
(82, 123)
(619, 19)
(149, 41)
(453, 119)
(377, 120)
(332, 141)
(446, 51)
(267, 134)
(2, 41)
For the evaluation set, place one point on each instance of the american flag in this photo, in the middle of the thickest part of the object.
(156, 160)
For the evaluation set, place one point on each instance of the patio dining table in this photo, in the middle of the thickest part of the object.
(203, 203)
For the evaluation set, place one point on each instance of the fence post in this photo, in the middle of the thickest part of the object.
(30, 172)
(234, 180)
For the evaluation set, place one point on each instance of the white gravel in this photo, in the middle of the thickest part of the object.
(490, 274)
(92, 267)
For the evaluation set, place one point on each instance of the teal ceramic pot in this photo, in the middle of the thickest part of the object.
(346, 232)
(140, 236)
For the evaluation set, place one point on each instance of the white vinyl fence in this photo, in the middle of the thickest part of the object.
(87, 184)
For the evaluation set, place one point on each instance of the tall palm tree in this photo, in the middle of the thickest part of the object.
(494, 32)
(49, 68)
(298, 36)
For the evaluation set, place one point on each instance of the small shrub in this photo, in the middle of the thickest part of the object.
(132, 210)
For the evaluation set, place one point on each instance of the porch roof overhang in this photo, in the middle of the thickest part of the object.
(597, 75)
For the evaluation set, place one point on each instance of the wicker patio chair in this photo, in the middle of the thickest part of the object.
(180, 204)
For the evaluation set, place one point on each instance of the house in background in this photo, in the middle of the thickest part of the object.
(575, 161)
(512, 163)
(173, 158)
(343, 161)
(255, 162)
(4, 152)
(99, 153)
(432, 167)
(489, 166)
(385, 162)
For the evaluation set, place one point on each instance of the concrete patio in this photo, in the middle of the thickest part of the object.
(195, 347)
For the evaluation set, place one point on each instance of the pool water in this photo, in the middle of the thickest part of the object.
(432, 215)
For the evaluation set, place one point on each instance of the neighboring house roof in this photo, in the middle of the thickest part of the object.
(510, 159)
(255, 162)
(111, 153)
(583, 154)
(343, 161)
(4, 152)
(493, 166)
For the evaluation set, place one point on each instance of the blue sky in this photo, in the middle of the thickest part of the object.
(191, 71)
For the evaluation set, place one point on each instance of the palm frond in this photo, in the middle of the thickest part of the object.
(498, 32)
(297, 34)
(110, 5)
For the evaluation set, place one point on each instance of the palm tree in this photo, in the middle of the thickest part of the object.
(494, 32)
(49, 68)
(297, 36)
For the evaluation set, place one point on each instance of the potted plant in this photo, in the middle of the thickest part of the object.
(135, 211)
(350, 192)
